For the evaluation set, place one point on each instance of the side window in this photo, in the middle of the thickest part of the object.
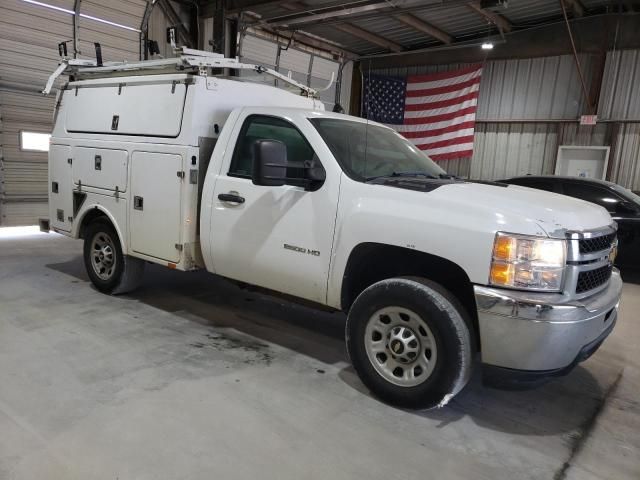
(539, 185)
(601, 196)
(260, 127)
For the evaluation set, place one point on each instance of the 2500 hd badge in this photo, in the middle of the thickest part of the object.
(315, 253)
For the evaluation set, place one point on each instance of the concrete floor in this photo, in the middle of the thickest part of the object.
(192, 378)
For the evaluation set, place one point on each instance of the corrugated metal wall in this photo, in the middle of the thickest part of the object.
(620, 103)
(29, 35)
(532, 89)
(626, 156)
(621, 99)
(503, 150)
(528, 107)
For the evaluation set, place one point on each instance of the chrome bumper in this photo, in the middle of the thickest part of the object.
(539, 331)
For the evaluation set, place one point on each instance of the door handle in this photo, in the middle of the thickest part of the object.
(231, 197)
(138, 203)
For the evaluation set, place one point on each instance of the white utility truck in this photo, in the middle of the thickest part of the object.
(160, 161)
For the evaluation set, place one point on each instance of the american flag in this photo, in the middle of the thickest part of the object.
(437, 112)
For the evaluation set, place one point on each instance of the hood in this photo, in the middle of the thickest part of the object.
(512, 204)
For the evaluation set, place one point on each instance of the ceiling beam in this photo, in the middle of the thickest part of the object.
(303, 38)
(424, 27)
(369, 36)
(234, 6)
(293, 6)
(577, 7)
(498, 20)
(338, 11)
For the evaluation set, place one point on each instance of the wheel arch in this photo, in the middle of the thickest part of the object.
(91, 214)
(369, 263)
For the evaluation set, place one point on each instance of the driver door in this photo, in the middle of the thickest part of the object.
(279, 238)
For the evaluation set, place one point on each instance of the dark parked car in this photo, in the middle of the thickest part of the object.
(622, 204)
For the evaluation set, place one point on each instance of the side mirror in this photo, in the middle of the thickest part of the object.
(269, 163)
(315, 172)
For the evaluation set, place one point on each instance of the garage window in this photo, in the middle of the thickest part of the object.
(34, 141)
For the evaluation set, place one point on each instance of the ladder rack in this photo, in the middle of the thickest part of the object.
(187, 60)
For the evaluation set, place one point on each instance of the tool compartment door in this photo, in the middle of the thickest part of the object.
(155, 205)
(153, 109)
(60, 187)
(100, 168)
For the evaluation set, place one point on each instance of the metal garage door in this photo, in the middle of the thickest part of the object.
(321, 72)
(29, 35)
(265, 52)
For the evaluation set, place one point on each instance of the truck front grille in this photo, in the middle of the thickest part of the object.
(590, 245)
(592, 279)
(588, 264)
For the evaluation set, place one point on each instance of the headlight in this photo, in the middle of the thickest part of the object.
(532, 263)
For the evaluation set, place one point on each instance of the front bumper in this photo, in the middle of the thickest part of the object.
(543, 333)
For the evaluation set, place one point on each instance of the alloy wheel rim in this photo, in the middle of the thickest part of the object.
(400, 346)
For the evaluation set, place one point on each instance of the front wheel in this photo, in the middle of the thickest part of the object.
(408, 340)
(109, 270)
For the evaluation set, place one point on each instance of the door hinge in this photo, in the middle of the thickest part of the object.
(117, 194)
(173, 86)
(69, 161)
(181, 174)
(178, 247)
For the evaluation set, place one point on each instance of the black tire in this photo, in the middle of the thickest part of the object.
(124, 273)
(445, 319)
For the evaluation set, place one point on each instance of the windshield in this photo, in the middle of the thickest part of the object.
(368, 151)
(628, 194)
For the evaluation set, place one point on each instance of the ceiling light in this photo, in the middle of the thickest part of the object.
(487, 46)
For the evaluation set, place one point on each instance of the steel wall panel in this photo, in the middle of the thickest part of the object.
(502, 150)
(620, 99)
(532, 89)
(461, 167)
(586, 135)
(626, 153)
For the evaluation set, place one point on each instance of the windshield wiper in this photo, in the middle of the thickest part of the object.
(404, 174)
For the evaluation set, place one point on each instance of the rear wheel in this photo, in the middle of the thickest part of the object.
(109, 270)
(409, 342)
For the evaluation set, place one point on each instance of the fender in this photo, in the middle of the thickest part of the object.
(90, 207)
